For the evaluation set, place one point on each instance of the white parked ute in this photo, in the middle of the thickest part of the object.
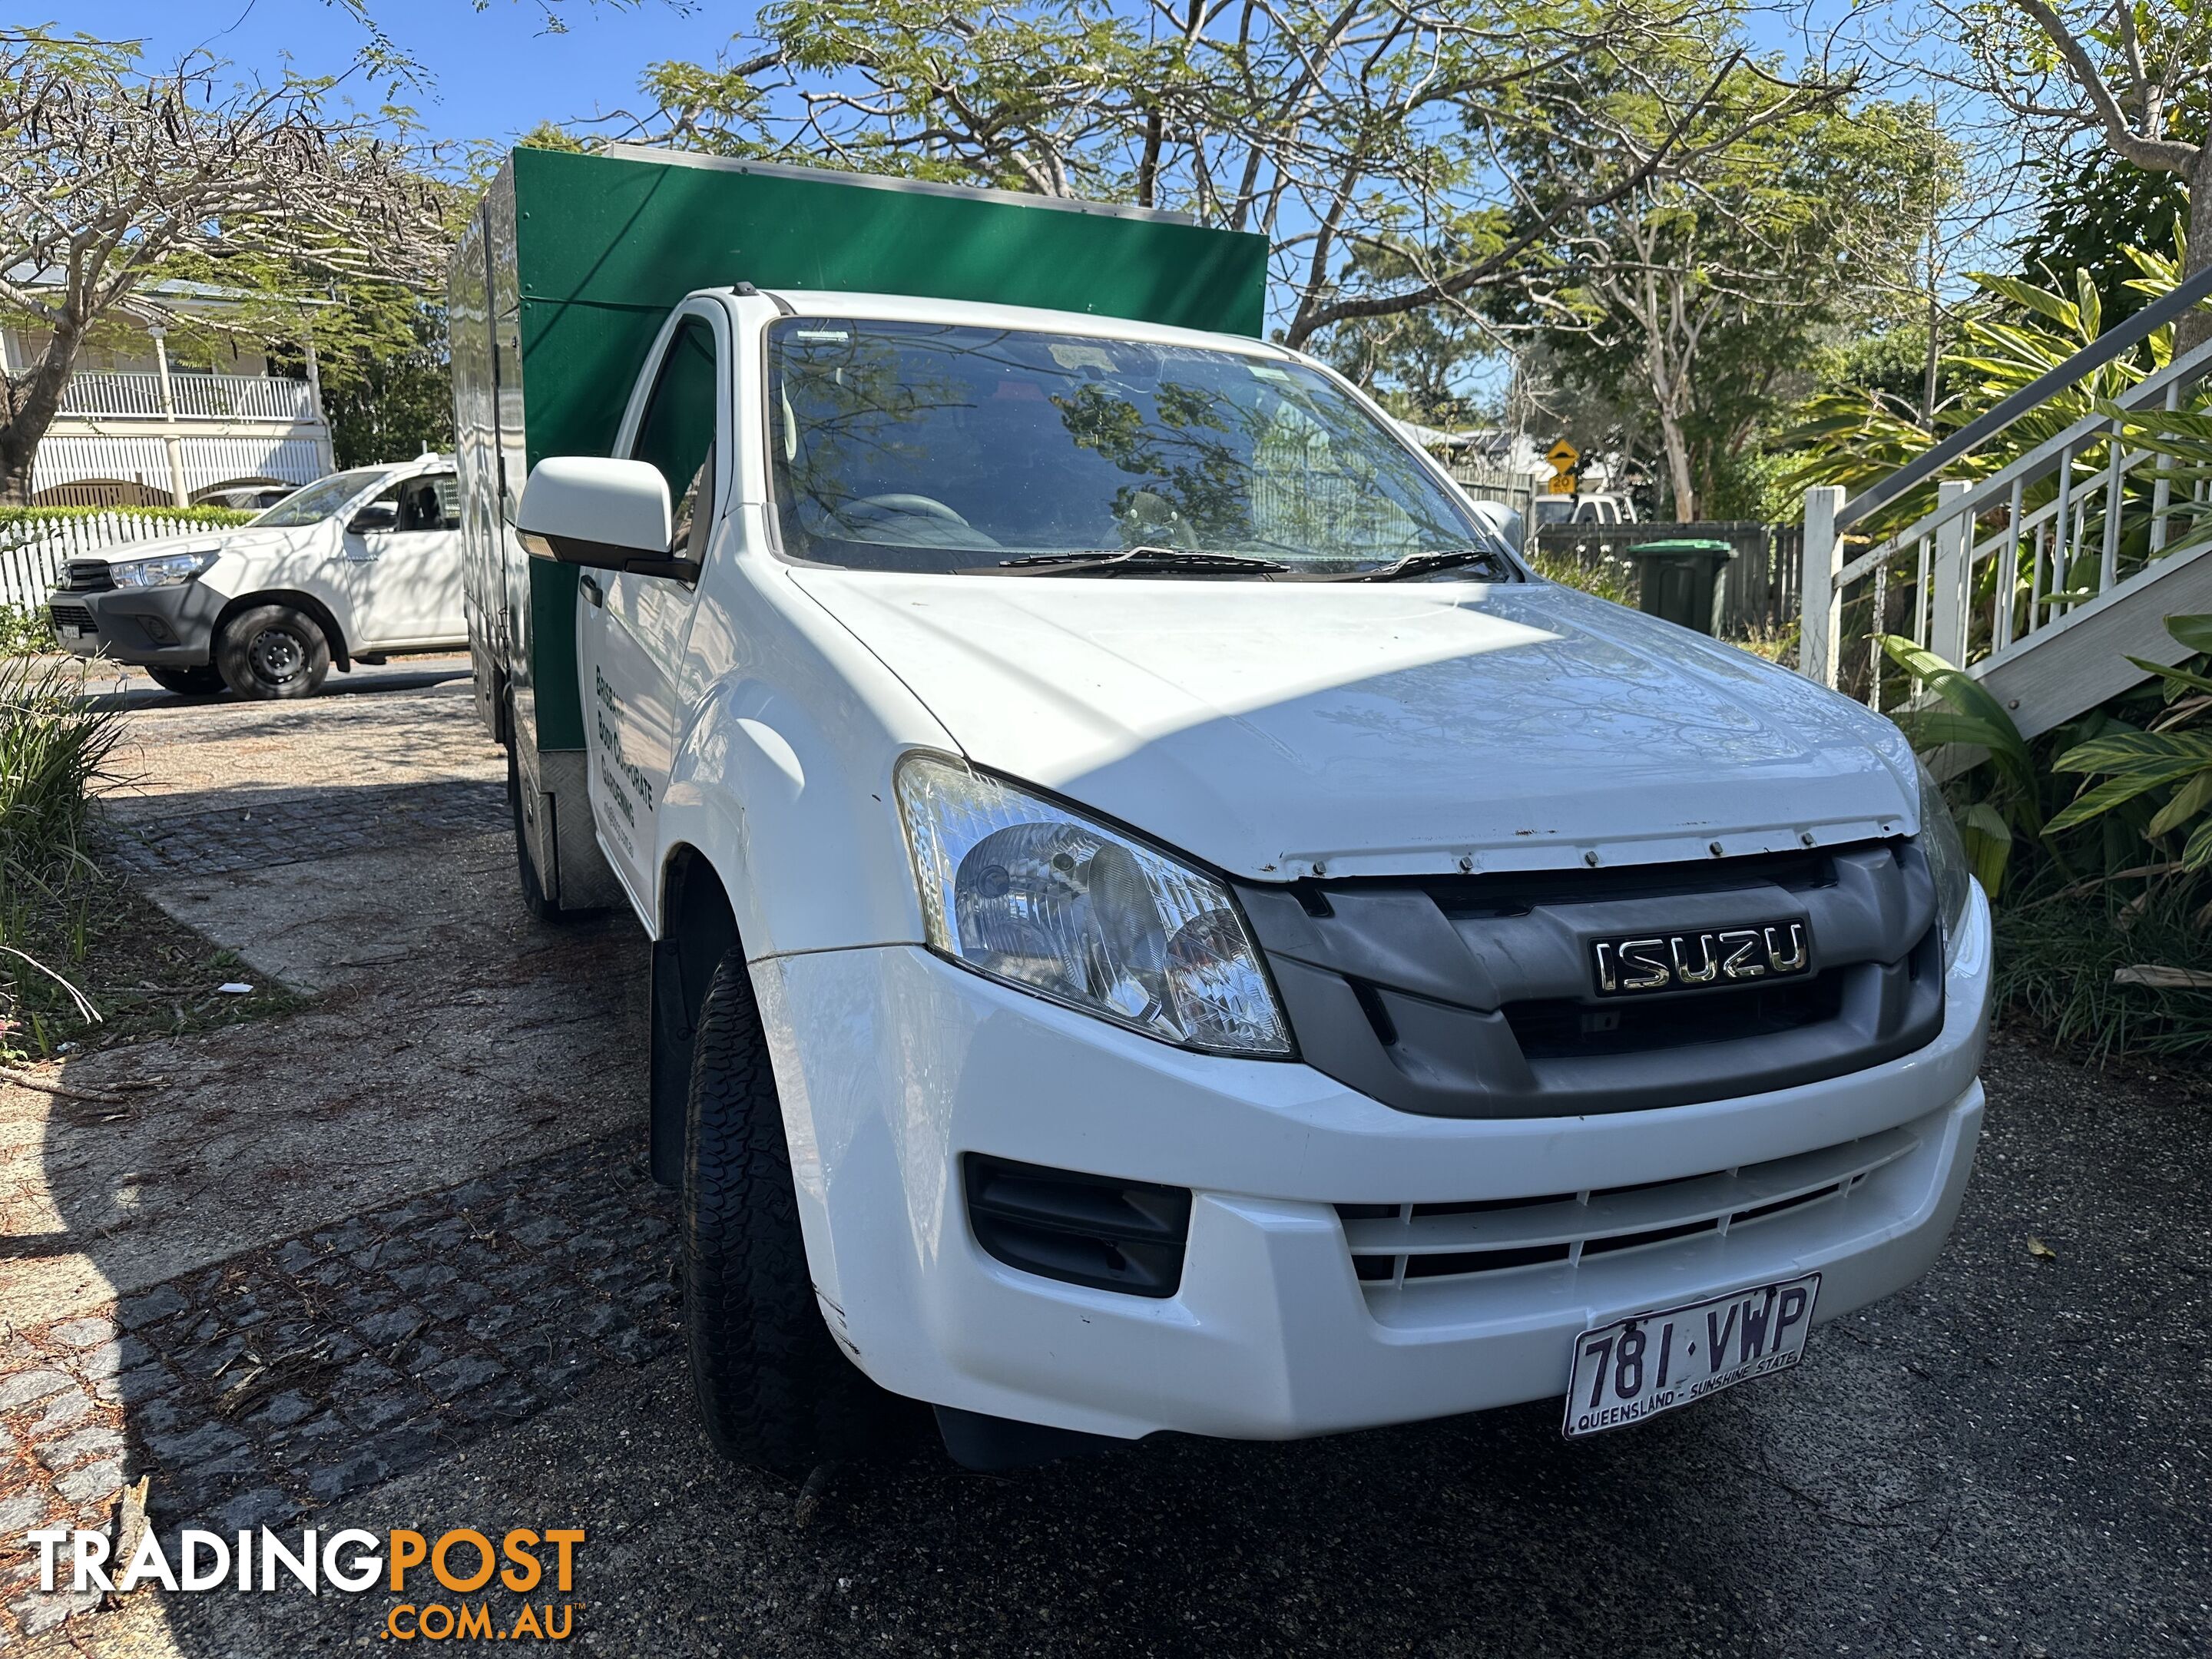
(344, 570)
(1163, 923)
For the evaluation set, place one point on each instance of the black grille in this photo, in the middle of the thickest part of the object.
(1080, 1229)
(69, 616)
(87, 576)
(1476, 996)
(1561, 1028)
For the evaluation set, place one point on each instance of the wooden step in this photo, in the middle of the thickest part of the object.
(2070, 667)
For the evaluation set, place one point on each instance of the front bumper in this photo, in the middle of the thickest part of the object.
(892, 1064)
(171, 626)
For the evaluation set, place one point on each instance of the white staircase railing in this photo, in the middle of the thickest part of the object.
(2079, 526)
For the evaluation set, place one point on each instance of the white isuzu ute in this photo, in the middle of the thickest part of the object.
(351, 566)
(1161, 922)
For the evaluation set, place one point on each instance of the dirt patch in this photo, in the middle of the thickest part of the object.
(144, 973)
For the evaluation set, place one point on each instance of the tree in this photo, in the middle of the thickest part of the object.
(387, 387)
(2135, 76)
(116, 183)
(1706, 289)
(1341, 131)
(1417, 363)
(2096, 206)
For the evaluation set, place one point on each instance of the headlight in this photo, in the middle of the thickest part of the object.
(167, 571)
(1024, 890)
(1947, 859)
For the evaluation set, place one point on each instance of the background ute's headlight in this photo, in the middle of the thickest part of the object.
(1027, 891)
(166, 571)
(1947, 861)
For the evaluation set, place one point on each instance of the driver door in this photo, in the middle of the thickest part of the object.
(632, 630)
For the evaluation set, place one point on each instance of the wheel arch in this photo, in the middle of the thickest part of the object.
(314, 609)
(699, 927)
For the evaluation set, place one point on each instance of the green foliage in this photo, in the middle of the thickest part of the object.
(1607, 575)
(1889, 360)
(1964, 713)
(2114, 879)
(2057, 962)
(24, 631)
(20, 524)
(1417, 363)
(54, 747)
(1701, 293)
(138, 194)
(389, 392)
(2020, 332)
(2095, 207)
(2173, 758)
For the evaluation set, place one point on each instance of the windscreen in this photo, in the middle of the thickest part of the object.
(318, 500)
(924, 447)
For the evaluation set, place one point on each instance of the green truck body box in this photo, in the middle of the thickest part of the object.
(572, 263)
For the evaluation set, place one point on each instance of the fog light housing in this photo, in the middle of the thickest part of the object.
(1096, 1230)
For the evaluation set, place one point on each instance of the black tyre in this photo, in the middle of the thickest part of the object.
(187, 682)
(773, 1388)
(272, 651)
(525, 868)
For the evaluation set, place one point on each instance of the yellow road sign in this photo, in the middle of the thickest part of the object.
(1562, 456)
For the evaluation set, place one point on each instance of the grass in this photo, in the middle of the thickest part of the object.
(139, 971)
(1607, 577)
(54, 750)
(84, 959)
(2056, 960)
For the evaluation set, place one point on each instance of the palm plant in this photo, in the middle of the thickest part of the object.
(2174, 753)
(1959, 713)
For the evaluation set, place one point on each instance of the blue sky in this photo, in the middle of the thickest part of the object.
(496, 72)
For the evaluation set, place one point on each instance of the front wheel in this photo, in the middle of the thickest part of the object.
(773, 1388)
(272, 652)
(187, 682)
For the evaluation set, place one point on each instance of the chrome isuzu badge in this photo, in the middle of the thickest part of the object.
(1694, 961)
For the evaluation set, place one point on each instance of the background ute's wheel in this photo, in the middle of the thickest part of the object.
(272, 651)
(773, 1388)
(187, 682)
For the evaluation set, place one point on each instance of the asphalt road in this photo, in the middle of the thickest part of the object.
(2010, 1458)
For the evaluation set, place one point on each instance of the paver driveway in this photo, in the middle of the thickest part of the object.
(392, 1260)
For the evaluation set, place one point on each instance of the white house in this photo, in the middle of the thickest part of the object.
(143, 424)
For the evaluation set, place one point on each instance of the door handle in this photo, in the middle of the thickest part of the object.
(592, 591)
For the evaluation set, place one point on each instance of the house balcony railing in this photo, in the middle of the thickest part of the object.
(195, 397)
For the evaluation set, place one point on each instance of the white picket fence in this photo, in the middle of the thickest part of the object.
(33, 548)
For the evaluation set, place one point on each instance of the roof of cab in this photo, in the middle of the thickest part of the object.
(905, 307)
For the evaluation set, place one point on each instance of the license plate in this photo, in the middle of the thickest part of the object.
(68, 632)
(1637, 1367)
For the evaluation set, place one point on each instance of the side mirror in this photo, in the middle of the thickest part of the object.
(605, 514)
(1503, 522)
(375, 517)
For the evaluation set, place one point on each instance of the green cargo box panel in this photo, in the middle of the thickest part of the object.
(606, 245)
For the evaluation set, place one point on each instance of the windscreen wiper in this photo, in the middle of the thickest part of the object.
(1423, 564)
(1137, 561)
